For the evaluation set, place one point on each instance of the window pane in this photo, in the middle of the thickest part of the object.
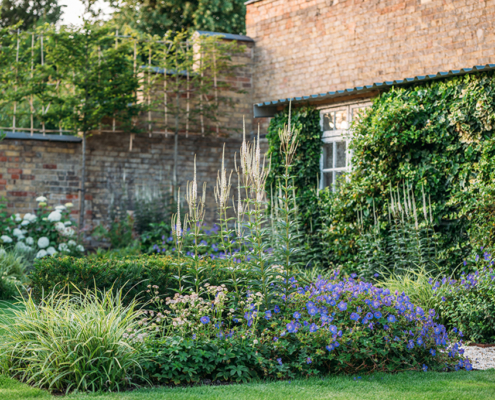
(341, 119)
(341, 155)
(328, 121)
(328, 155)
(327, 179)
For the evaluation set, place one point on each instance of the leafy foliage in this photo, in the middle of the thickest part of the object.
(158, 17)
(329, 326)
(304, 171)
(46, 232)
(73, 342)
(407, 240)
(12, 274)
(28, 13)
(468, 302)
(438, 136)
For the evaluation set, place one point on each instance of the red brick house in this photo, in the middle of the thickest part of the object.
(339, 54)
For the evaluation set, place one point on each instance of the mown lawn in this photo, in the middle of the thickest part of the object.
(432, 386)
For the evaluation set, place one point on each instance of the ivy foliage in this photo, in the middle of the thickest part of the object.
(305, 168)
(437, 136)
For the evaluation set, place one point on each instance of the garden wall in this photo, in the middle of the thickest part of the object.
(305, 47)
(31, 168)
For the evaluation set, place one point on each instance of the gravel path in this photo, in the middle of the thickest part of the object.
(481, 358)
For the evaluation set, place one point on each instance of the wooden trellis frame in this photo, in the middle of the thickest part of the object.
(38, 108)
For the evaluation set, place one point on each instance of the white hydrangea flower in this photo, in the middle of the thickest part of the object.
(29, 217)
(17, 232)
(68, 205)
(41, 254)
(43, 242)
(25, 222)
(59, 226)
(54, 216)
(51, 251)
(18, 218)
(41, 199)
(60, 208)
(2, 252)
(6, 239)
(68, 223)
(69, 232)
(30, 241)
(80, 248)
(71, 243)
(22, 247)
(63, 247)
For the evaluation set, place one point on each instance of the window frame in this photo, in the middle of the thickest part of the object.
(338, 135)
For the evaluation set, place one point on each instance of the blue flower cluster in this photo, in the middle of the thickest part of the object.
(336, 308)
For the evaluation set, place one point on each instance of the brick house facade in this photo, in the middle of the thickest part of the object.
(339, 54)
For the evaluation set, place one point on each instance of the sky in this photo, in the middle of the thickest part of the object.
(74, 10)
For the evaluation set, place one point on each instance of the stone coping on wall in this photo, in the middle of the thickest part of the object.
(39, 136)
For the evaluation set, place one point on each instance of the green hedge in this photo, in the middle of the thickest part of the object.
(133, 274)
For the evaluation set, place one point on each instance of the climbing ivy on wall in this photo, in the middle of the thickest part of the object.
(439, 136)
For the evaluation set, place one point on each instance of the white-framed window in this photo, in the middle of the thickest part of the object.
(336, 156)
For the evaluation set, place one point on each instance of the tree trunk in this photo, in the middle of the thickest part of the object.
(83, 183)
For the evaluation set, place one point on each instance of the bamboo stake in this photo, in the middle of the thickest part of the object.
(187, 93)
(202, 121)
(215, 85)
(165, 97)
(15, 87)
(116, 45)
(149, 90)
(32, 74)
(42, 101)
(131, 137)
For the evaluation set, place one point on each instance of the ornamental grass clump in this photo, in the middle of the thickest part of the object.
(339, 325)
(89, 341)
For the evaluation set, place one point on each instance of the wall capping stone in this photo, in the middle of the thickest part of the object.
(39, 136)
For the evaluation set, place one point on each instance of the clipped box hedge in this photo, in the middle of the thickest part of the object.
(132, 273)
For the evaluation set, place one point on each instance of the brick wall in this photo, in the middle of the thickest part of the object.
(313, 46)
(31, 168)
(149, 164)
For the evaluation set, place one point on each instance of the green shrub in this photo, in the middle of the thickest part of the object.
(329, 326)
(439, 136)
(73, 342)
(130, 274)
(468, 304)
(46, 232)
(12, 274)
